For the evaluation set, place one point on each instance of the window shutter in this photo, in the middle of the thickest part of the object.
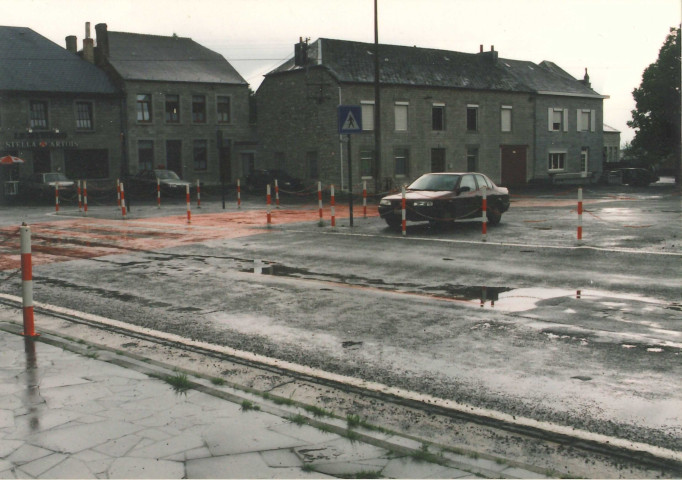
(550, 118)
(593, 120)
(578, 119)
(565, 119)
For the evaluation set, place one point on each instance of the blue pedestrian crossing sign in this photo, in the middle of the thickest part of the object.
(350, 119)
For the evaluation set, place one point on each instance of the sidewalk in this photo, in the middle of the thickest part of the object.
(99, 414)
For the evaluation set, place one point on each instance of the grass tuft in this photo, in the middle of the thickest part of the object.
(298, 419)
(249, 405)
(179, 382)
(217, 381)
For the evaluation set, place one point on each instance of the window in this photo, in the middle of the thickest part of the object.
(367, 115)
(172, 108)
(223, 109)
(472, 159)
(145, 154)
(438, 117)
(472, 118)
(557, 119)
(506, 118)
(401, 116)
(584, 157)
(200, 154)
(483, 182)
(401, 156)
(586, 120)
(38, 115)
(556, 161)
(144, 108)
(84, 116)
(311, 161)
(198, 109)
(468, 181)
(366, 163)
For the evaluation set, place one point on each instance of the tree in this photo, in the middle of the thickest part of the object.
(656, 119)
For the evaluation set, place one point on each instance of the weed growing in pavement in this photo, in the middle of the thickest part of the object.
(317, 411)
(352, 435)
(423, 455)
(81, 341)
(298, 419)
(217, 381)
(352, 420)
(248, 405)
(282, 401)
(308, 467)
(179, 382)
(363, 474)
(92, 355)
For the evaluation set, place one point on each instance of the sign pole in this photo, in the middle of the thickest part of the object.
(350, 182)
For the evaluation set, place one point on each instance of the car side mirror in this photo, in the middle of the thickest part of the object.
(463, 189)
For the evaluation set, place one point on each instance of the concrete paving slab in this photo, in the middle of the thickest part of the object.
(6, 418)
(304, 433)
(27, 453)
(8, 446)
(40, 466)
(246, 465)
(339, 450)
(118, 447)
(134, 467)
(245, 435)
(170, 446)
(69, 468)
(408, 468)
(352, 469)
(281, 458)
(79, 437)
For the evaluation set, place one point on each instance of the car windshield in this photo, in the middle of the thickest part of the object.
(55, 177)
(167, 175)
(435, 182)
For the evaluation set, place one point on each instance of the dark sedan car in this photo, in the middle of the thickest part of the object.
(446, 197)
(258, 180)
(43, 185)
(145, 182)
(636, 177)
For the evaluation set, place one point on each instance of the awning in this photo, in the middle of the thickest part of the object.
(10, 160)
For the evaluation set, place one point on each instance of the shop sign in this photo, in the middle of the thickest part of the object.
(37, 144)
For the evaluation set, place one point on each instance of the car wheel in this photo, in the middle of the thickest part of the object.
(393, 222)
(494, 216)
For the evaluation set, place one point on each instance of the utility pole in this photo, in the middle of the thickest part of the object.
(377, 105)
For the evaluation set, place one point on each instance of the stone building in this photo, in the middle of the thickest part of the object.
(58, 112)
(184, 106)
(611, 153)
(440, 110)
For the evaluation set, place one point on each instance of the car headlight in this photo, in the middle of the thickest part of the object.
(385, 202)
(423, 203)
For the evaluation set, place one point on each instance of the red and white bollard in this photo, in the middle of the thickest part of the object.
(56, 197)
(276, 194)
(580, 214)
(158, 193)
(198, 193)
(123, 200)
(484, 215)
(319, 199)
(268, 201)
(189, 212)
(239, 194)
(85, 197)
(403, 207)
(80, 203)
(332, 202)
(118, 192)
(364, 198)
(27, 281)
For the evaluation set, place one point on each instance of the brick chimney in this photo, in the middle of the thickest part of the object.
(102, 50)
(72, 44)
(490, 56)
(88, 45)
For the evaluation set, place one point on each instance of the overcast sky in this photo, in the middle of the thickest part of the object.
(614, 39)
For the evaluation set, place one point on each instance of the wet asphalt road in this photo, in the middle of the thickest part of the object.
(529, 324)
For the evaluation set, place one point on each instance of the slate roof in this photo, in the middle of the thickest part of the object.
(30, 62)
(353, 62)
(137, 56)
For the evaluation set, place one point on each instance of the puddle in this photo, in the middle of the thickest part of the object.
(506, 299)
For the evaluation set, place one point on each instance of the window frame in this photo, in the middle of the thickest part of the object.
(219, 113)
(586, 120)
(33, 115)
(200, 145)
(563, 119)
(367, 108)
(169, 114)
(402, 155)
(438, 107)
(142, 100)
(149, 142)
(560, 163)
(201, 111)
(91, 115)
(506, 110)
(398, 116)
(472, 107)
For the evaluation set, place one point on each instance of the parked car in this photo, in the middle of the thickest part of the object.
(446, 197)
(43, 185)
(636, 177)
(145, 181)
(258, 180)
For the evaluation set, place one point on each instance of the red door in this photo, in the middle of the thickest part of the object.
(513, 164)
